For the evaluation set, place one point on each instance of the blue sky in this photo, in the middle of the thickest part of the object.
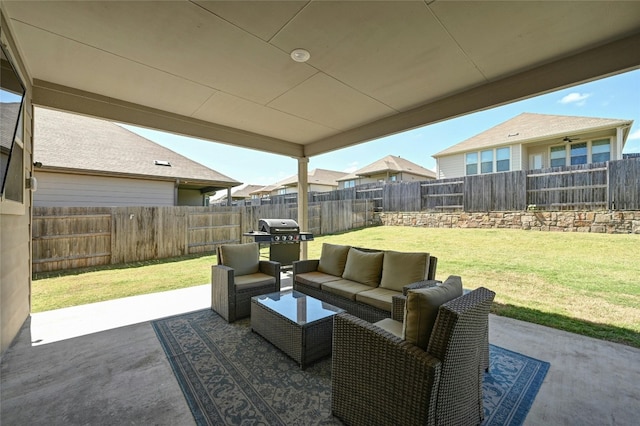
(614, 97)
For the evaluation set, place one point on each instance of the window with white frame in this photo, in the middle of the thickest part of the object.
(600, 151)
(349, 183)
(595, 151)
(486, 161)
(503, 162)
(558, 156)
(578, 153)
(490, 160)
(471, 162)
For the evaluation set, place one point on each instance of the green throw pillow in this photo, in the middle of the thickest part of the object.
(363, 267)
(400, 269)
(332, 259)
(243, 258)
(421, 309)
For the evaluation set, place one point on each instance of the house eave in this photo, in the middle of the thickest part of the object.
(181, 181)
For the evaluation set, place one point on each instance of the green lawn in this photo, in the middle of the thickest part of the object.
(579, 282)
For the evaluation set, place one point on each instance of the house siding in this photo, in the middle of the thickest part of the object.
(15, 225)
(451, 166)
(67, 190)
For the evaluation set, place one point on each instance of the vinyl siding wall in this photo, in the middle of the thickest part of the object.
(69, 190)
(451, 166)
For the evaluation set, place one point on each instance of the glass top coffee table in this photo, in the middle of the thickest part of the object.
(297, 324)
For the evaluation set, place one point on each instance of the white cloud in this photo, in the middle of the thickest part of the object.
(634, 135)
(353, 166)
(575, 98)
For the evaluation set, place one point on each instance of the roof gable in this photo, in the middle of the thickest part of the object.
(530, 127)
(390, 163)
(315, 176)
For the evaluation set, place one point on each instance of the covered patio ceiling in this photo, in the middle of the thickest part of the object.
(222, 71)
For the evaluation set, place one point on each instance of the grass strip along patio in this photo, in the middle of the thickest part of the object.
(579, 282)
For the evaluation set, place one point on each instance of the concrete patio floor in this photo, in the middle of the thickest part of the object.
(101, 364)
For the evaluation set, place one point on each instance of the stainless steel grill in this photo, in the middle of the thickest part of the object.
(283, 237)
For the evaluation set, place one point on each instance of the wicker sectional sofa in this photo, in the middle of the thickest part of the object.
(362, 281)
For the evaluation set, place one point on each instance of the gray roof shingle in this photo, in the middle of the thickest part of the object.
(77, 143)
(391, 163)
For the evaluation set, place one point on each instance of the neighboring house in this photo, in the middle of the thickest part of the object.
(83, 161)
(242, 192)
(535, 141)
(318, 180)
(387, 169)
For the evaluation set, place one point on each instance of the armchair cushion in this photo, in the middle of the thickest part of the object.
(421, 309)
(363, 267)
(333, 259)
(400, 269)
(244, 259)
(393, 327)
(245, 282)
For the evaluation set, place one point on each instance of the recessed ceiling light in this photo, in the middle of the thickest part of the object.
(300, 55)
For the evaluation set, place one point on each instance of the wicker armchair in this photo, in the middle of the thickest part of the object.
(378, 378)
(238, 276)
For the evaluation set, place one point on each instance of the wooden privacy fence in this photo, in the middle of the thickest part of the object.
(77, 237)
(614, 185)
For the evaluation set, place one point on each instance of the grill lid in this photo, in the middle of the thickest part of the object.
(278, 226)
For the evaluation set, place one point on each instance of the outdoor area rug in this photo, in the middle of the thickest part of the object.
(231, 376)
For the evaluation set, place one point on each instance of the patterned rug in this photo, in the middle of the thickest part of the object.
(231, 376)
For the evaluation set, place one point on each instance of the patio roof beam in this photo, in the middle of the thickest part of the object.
(65, 98)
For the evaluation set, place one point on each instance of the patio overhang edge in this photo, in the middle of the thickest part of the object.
(599, 62)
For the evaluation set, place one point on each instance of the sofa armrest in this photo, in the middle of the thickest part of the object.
(222, 287)
(419, 284)
(400, 377)
(271, 268)
(397, 307)
(433, 264)
(398, 302)
(304, 266)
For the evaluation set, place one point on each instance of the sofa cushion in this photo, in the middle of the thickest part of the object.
(421, 309)
(244, 259)
(345, 288)
(363, 267)
(381, 298)
(400, 269)
(315, 278)
(333, 259)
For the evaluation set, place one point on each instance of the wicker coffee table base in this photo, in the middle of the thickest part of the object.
(305, 343)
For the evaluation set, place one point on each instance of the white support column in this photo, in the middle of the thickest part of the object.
(303, 201)
(619, 137)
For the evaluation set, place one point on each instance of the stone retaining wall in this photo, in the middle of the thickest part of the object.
(620, 222)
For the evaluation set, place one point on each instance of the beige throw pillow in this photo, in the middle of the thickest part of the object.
(243, 258)
(333, 259)
(421, 309)
(400, 269)
(363, 267)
